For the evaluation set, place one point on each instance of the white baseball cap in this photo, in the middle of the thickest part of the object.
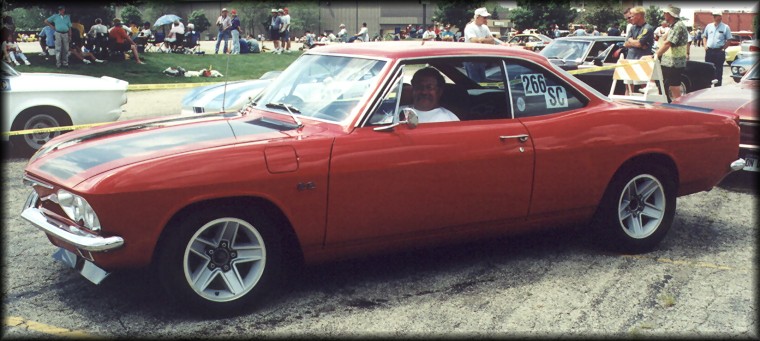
(482, 12)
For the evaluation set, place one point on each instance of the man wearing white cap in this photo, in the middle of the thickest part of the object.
(274, 30)
(672, 52)
(477, 30)
(223, 23)
(343, 34)
(716, 37)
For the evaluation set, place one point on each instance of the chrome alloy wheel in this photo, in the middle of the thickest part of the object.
(641, 208)
(224, 259)
(40, 121)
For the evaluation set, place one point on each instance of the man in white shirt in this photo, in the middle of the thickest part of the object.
(427, 89)
(429, 34)
(285, 29)
(477, 30)
(363, 34)
(343, 33)
(660, 32)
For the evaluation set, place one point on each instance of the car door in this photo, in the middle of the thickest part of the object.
(407, 182)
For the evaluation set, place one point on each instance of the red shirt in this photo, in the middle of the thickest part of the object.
(119, 34)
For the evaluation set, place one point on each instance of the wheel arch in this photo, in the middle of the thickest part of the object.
(57, 112)
(658, 159)
(290, 241)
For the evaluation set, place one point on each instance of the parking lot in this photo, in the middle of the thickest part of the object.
(701, 281)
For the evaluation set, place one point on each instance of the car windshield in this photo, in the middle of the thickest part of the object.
(566, 50)
(8, 71)
(322, 87)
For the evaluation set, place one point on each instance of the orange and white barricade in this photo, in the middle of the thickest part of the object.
(643, 71)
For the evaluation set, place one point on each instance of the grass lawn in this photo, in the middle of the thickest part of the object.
(242, 66)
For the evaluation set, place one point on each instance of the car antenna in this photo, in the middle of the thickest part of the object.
(227, 73)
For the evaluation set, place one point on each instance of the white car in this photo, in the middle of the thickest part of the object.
(48, 100)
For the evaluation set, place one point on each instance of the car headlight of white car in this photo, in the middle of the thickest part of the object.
(78, 209)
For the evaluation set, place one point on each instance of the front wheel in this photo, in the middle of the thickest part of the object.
(637, 209)
(220, 261)
(27, 144)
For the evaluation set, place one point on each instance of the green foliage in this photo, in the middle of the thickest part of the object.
(603, 14)
(199, 20)
(130, 14)
(241, 67)
(254, 16)
(654, 16)
(540, 14)
(29, 15)
(304, 15)
(456, 12)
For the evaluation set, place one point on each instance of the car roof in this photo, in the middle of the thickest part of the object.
(594, 38)
(417, 49)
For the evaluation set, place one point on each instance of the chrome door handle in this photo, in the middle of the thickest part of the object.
(521, 137)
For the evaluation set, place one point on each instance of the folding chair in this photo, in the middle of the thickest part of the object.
(99, 46)
(193, 43)
(155, 42)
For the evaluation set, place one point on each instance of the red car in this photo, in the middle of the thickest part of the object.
(741, 100)
(326, 163)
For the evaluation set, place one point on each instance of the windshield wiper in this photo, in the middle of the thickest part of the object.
(291, 109)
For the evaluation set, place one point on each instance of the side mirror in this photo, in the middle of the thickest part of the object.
(599, 60)
(407, 116)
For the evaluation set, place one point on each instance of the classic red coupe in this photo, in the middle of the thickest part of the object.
(332, 160)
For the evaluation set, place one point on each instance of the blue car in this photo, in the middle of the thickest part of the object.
(740, 66)
(235, 95)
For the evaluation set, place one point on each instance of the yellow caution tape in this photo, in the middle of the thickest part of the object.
(137, 87)
(52, 129)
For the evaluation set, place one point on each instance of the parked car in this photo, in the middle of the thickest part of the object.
(235, 95)
(741, 100)
(735, 44)
(50, 100)
(572, 53)
(329, 162)
(740, 67)
(749, 48)
(532, 42)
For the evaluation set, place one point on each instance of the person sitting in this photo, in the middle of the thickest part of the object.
(309, 40)
(11, 51)
(251, 45)
(79, 52)
(427, 89)
(142, 37)
(172, 41)
(47, 41)
(192, 38)
(120, 40)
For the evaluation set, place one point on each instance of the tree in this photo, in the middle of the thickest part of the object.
(654, 16)
(456, 12)
(602, 14)
(131, 13)
(303, 16)
(541, 15)
(199, 20)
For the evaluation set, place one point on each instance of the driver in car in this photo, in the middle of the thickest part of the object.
(427, 88)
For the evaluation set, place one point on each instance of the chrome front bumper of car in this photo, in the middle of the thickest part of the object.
(72, 235)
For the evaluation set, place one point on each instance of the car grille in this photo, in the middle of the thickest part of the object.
(748, 132)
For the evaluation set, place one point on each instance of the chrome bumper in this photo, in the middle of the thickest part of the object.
(70, 234)
(738, 165)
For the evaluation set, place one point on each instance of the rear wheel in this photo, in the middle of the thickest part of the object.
(637, 209)
(219, 261)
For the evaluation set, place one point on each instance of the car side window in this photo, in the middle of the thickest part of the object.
(534, 91)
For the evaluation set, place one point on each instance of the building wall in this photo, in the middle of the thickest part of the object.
(737, 21)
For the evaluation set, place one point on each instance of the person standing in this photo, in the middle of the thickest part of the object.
(715, 39)
(61, 23)
(223, 23)
(477, 31)
(628, 16)
(285, 29)
(660, 32)
(672, 52)
(614, 31)
(274, 30)
(235, 32)
(639, 40)
(698, 36)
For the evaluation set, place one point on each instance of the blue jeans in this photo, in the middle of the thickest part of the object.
(717, 57)
(223, 35)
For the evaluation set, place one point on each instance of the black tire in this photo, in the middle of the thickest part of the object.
(622, 209)
(255, 237)
(38, 118)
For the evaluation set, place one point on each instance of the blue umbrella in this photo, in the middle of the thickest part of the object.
(166, 19)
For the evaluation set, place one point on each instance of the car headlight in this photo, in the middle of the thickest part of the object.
(78, 209)
(735, 69)
(742, 70)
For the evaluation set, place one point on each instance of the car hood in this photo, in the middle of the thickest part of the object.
(741, 100)
(77, 156)
(39, 82)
